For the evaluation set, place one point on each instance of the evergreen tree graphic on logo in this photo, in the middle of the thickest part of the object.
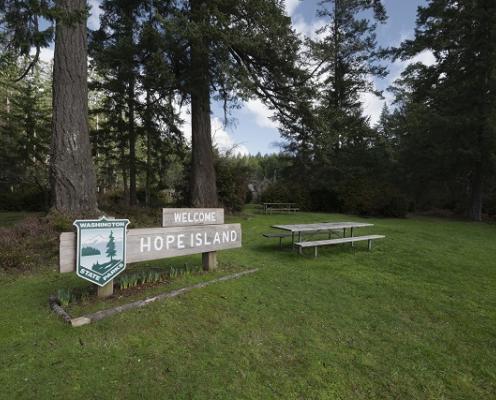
(101, 251)
(111, 246)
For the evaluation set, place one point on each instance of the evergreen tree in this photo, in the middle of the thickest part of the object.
(72, 174)
(330, 138)
(25, 124)
(458, 92)
(132, 70)
(228, 50)
(111, 252)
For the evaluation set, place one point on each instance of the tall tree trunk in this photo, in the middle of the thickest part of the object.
(132, 145)
(475, 211)
(125, 186)
(72, 174)
(203, 184)
(148, 128)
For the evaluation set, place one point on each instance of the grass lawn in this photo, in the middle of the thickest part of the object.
(415, 318)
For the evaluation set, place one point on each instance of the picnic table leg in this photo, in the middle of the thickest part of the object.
(280, 242)
(351, 235)
(299, 236)
(370, 245)
(315, 251)
(292, 240)
(330, 234)
(344, 232)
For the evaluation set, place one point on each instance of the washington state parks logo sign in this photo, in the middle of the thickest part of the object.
(101, 249)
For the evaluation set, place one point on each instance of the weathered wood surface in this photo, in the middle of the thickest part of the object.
(57, 309)
(86, 319)
(324, 226)
(317, 243)
(209, 261)
(107, 290)
(192, 216)
(270, 209)
(157, 243)
(277, 204)
(276, 235)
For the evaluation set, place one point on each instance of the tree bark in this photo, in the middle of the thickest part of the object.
(148, 128)
(203, 183)
(125, 186)
(72, 173)
(475, 211)
(132, 145)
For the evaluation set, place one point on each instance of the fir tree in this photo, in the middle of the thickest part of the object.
(228, 50)
(453, 101)
(72, 175)
(111, 252)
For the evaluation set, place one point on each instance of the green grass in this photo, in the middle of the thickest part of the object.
(413, 319)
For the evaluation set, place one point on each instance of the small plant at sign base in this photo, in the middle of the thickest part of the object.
(124, 281)
(133, 280)
(64, 296)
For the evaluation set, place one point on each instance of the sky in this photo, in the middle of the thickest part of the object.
(255, 132)
(250, 129)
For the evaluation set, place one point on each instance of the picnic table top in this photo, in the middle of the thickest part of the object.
(266, 204)
(321, 226)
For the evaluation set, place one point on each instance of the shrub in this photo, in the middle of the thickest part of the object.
(364, 197)
(233, 176)
(287, 192)
(31, 243)
(27, 199)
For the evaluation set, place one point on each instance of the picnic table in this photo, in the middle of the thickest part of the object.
(288, 207)
(299, 229)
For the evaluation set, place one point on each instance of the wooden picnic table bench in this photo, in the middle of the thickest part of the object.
(317, 243)
(279, 207)
(300, 229)
(277, 235)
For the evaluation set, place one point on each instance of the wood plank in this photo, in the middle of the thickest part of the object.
(323, 226)
(157, 243)
(209, 261)
(276, 235)
(317, 243)
(192, 216)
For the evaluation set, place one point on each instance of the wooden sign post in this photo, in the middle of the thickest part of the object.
(195, 216)
(185, 232)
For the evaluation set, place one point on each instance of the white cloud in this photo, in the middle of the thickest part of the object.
(308, 29)
(46, 54)
(261, 113)
(426, 57)
(372, 106)
(95, 12)
(220, 137)
(291, 6)
(224, 141)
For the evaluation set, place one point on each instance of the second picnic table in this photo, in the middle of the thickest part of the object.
(300, 229)
(288, 207)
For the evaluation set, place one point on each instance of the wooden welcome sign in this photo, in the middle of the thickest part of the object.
(183, 232)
